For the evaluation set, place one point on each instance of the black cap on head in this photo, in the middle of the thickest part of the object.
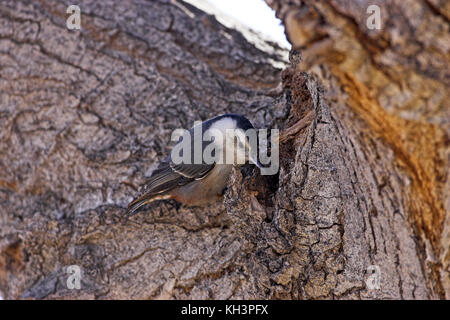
(241, 121)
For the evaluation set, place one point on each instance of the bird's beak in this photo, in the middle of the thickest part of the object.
(255, 161)
(252, 159)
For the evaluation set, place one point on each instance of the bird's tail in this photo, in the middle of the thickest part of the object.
(143, 200)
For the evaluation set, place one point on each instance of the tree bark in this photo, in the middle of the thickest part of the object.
(87, 114)
(387, 92)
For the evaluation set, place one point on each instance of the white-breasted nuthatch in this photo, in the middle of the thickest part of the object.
(199, 183)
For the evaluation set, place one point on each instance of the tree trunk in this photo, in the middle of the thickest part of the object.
(363, 183)
(387, 95)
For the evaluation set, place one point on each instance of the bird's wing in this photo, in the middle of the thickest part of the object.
(167, 177)
(192, 171)
(170, 175)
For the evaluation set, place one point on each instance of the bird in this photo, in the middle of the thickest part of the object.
(197, 184)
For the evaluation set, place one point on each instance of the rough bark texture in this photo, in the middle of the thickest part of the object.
(388, 92)
(86, 115)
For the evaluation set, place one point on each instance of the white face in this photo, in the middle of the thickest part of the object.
(230, 141)
(236, 145)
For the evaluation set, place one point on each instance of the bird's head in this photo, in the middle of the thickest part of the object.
(238, 139)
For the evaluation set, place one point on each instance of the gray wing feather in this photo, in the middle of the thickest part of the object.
(193, 171)
(168, 176)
